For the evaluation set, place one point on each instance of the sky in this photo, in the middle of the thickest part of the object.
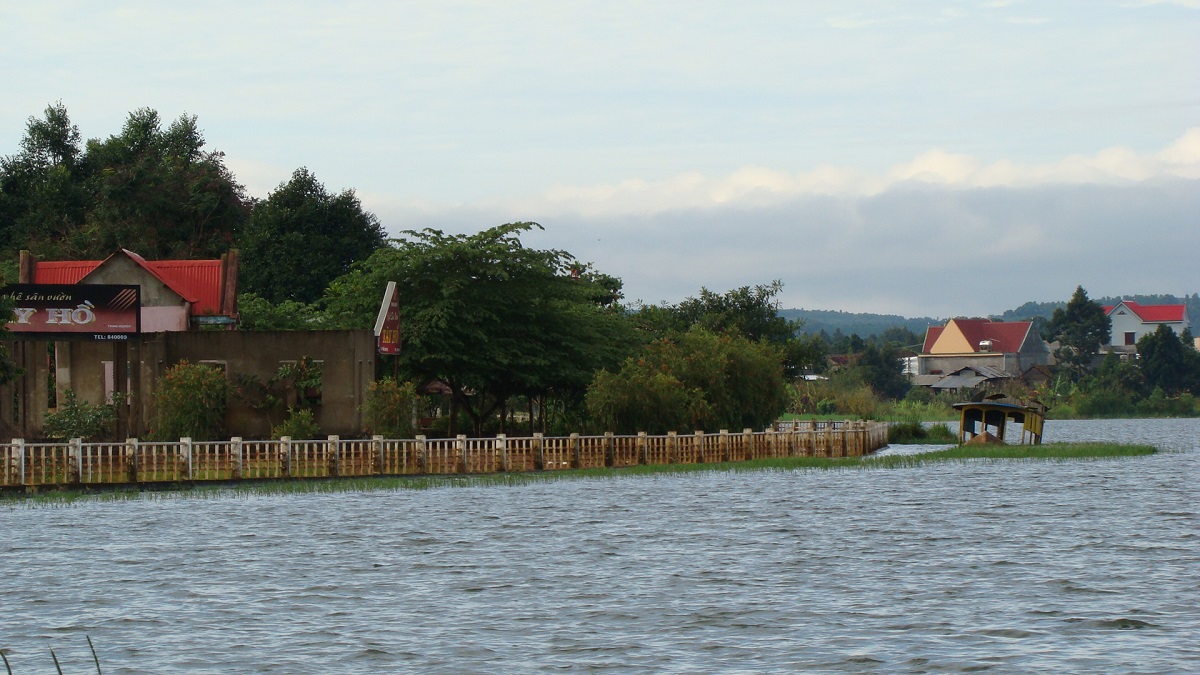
(918, 158)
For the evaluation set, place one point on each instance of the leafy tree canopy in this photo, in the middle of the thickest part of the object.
(302, 237)
(1081, 329)
(697, 380)
(751, 311)
(1167, 363)
(153, 190)
(488, 316)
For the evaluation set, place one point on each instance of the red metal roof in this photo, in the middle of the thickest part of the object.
(197, 281)
(1006, 336)
(1152, 313)
(64, 272)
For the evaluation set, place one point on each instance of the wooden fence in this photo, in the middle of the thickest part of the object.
(75, 463)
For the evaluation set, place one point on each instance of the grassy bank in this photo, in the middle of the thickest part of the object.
(1054, 452)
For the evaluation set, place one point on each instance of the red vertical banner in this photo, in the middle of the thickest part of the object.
(387, 323)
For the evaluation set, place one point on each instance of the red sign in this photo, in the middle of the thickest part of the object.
(387, 324)
(74, 311)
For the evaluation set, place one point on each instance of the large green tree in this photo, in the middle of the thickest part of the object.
(1081, 329)
(488, 316)
(151, 189)
(301, 237)
(1167, 363)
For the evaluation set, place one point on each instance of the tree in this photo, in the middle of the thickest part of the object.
(882, 369)
(156, 191)
(1081, 330)
(41, 187)
(302, 237)
(1166, 362)
(749, 311)
(489, 317)
(697, 380)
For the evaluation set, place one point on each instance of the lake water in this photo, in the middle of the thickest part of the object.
(1084, 566)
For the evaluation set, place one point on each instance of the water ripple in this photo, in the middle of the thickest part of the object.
(1006, 566)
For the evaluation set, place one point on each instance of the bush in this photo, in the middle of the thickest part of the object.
(80, 419)
(300, 425)
(912, 430)
(1104, 404)
(190, 400)
(388, 408)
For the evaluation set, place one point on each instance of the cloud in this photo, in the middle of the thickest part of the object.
(944, 234)
(761, 186)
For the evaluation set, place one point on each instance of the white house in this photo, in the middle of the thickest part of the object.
(1130, 321)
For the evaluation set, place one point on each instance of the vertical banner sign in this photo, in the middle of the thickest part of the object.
(387, 324)
(74, 311)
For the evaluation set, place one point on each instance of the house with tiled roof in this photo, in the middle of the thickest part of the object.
(995, 348)
(176, 295)
(1130, 321)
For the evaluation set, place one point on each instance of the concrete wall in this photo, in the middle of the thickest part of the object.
(348, 369)
(93, 369)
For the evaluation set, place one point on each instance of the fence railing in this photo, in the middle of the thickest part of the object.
(135, 461)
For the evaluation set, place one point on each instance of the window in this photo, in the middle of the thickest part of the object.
(1130, 338)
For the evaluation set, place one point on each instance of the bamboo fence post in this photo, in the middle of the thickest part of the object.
(672, 447)
(422, 454)
(461, 444)
(502, 446)
(576, 457)
(698, 444)
(642, 449)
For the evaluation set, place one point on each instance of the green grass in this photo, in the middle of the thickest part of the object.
(1053, 452)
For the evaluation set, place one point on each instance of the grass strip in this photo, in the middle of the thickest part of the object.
(1052, 452)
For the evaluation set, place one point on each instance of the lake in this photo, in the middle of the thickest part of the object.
(1012, 566)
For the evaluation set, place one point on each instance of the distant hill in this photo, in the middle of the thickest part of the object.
(865, 324)
(1031, 310)
(849, 323)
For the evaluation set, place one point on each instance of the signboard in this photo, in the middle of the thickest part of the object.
(387, 324)
(74, 311)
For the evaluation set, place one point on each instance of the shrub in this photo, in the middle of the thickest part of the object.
(80, 419)
(190, 400)
(300, 424)
(388, 408)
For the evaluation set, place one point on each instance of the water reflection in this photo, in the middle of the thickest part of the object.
(1019, 566)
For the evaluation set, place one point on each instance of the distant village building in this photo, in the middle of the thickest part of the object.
(1131, 321)
(967, 352)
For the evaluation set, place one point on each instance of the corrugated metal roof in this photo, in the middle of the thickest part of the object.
(63, 272)
(197, 281)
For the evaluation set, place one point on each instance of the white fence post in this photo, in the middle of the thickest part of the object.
(185, 444)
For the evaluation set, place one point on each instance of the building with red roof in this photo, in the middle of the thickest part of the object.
(1007, 347)
(1130, 321)
(176, 295)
